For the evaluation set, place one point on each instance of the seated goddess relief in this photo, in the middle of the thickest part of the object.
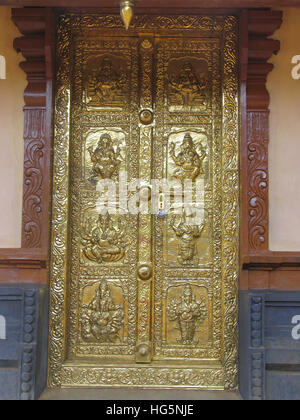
(189, 161)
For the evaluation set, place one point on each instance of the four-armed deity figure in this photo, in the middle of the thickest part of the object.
(187, 312)
(101, 319)
(106, 160)
(104, 242)
(105, 85)
(188, 235)
(188, 161)
(188, 88)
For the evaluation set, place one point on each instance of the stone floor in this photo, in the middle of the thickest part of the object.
(137, 394)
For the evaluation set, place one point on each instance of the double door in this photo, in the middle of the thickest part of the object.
(147, 138)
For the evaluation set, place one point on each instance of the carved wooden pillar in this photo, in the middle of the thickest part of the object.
(35, 45)
(261, 25)
(262, 268)
(28, 264)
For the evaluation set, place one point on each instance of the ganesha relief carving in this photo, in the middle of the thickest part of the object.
(101, 319)
(106, 158)
(103, 240)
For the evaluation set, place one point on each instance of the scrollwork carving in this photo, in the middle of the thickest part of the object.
(34, 161)
(258, 179)
(31, 23)
(143, 376)
(230, 212)
(262, 24)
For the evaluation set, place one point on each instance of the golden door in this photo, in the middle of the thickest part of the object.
(145, 299)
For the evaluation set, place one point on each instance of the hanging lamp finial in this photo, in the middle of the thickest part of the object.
(127, 7)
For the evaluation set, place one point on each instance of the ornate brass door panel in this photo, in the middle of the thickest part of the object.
(145, 299)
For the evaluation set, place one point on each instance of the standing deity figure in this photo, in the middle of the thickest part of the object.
(189, 161)
(102, 319)
(187, 312)
(188, 235)
(106, 160)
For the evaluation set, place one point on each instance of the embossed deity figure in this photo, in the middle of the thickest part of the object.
(104, 242)
(106, 160)
(106, 86)
(188, 235)
(188, 313)
(102, 319)
(187, 88)
(188, 161)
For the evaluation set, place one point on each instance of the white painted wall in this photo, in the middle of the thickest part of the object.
(11, 135)
(284, 150)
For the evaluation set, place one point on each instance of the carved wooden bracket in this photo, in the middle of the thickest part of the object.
(35, 45)
(32, 24)
(261, 25)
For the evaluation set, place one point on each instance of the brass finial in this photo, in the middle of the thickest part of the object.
(127, 12)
